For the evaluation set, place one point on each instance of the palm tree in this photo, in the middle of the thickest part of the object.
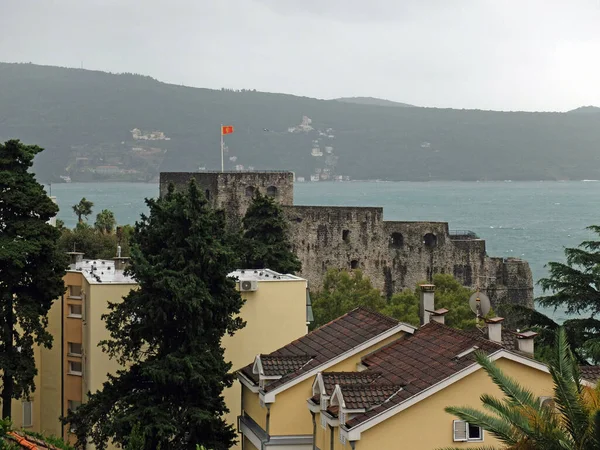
(83, 208)
(522, 423)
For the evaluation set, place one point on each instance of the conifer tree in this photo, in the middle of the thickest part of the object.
(168, 334)
(265, 240)
(31, 270)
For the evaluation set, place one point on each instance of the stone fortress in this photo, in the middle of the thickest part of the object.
(395, 255)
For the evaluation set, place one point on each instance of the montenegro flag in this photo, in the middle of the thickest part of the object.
(226, 129)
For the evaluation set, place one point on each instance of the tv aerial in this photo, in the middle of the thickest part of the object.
(480, 304)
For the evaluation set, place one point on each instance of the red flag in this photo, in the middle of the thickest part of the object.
(226, 129)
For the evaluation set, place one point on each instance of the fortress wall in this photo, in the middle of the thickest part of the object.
(395, 255)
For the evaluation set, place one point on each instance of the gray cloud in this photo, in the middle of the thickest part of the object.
(488, 54)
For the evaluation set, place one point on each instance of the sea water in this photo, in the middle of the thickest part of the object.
(529, 220)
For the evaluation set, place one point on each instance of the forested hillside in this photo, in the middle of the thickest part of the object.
(100, 126)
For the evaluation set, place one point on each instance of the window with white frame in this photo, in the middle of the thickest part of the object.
(75, 349)
(75, 368)
(466, 432)
(342, 438)
(323, 421)
(27, 414)
(75, 311)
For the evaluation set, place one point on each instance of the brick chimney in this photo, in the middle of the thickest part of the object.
(494, 329)
(427, 303)
(525, 342)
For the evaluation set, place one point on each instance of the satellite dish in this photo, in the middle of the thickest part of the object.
(480, 304)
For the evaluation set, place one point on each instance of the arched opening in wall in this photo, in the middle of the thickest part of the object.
(346, 235)
(250, 191)
(272, 191)
(396, 240)
(207, 194)
(430, 240)
(354, 264)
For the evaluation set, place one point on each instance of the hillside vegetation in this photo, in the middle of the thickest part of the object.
(100, 126)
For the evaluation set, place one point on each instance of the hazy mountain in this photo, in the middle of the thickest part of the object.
(99, 126)
(372, 101)
(585, 110)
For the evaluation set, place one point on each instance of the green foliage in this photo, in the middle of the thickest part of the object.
(96, 109)
(519, 420)
(83, 209)
(90, 241)
(342, 292)
(105, 222)
(31, 270)
(265, 243)
(449, 294)
(168, 334)
(574, 286)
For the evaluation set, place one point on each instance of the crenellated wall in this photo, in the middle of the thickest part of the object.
(395, 255)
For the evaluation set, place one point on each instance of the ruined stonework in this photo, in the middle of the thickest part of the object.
(395, 255)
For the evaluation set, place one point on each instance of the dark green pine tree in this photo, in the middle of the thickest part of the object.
(31, 269)
(265, 240)
(168, 334)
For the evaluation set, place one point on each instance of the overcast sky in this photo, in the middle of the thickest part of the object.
(487, 54)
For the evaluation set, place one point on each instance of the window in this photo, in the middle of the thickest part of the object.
(75, 311)
(464, 431)
(271, 191)
(323, 421)
(249, 191)
(74, 349)
(346, 235)
(72, 405)
(75, 368)
(207, 194)
(342, 437)
(27, 414)
(354, 264)
(396, 240)
(430, 240)
(74, 291)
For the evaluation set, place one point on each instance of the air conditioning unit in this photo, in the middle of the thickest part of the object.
(248, 285)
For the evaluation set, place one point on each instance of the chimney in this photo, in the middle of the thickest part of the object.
(426, 303)
(494, 329)
(121, 262)
(438, 315)
(74, 258)
(525, 342)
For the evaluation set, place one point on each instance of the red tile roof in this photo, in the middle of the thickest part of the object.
(25, 441)
(590, 373)
(365, 397)
(420, 361)
(325, 343)
(330, 379)
(277, 365)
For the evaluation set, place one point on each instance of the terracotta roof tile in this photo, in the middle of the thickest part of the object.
(416, 363)
(283, 364)
(26, 441)
(329, 341)
(365, 397)
(590, 373)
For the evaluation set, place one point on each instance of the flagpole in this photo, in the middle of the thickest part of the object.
(222, 163)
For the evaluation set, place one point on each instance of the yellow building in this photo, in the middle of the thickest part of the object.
(390, 395)
(276, 310)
